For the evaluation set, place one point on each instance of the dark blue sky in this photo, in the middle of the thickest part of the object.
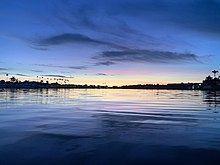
(117, 41)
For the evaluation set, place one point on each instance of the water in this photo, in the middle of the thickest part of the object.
(109, 126)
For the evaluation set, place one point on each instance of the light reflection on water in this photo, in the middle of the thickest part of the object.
(80, 124)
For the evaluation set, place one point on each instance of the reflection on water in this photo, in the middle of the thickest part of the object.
(212, 98)
(80, 126)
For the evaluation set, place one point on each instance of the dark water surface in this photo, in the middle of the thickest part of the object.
(108, 126)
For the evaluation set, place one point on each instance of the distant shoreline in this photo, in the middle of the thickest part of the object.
(40, 85)
(209, 83)
(110, 88)
(116, 88)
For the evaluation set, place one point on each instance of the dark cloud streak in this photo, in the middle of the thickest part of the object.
(66, 67)
(66, 38)
(3, 69)
(37, 71)
(77, 67)
(146, 56)
(101, 74)
(57, 75)
(106, 63)
(23, 75)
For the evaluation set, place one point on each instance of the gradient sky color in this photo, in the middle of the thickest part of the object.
(113, 42)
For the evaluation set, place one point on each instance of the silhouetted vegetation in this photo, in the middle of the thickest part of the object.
(210, 83)
(15, 83)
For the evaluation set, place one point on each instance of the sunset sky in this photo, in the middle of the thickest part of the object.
(114, 42)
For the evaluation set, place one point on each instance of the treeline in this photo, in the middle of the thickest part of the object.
(35, 85)
(183, 86)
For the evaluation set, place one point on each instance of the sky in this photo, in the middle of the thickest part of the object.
(114, 42)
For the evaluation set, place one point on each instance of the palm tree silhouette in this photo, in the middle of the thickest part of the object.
(214, 72)
(7, 76)
(13, 79)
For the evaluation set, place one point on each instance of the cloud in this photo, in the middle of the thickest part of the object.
(111, 23)
(46, 65)
(66, 38)
(4, 73)
(17, 74)
(38, 48)
(23, 75)
(2, 69)
(77, 67)
(101, 74)
(106, 63)
(67, 67)
(199, 15)
(89, 15)
(37, 71)
(147, 56)
(57, 75)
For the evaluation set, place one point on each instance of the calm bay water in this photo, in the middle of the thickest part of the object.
(109, 126)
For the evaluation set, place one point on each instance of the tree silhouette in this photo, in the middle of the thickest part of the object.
(13, 79)
(214, 72)
(209, 78)
(7, 76)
